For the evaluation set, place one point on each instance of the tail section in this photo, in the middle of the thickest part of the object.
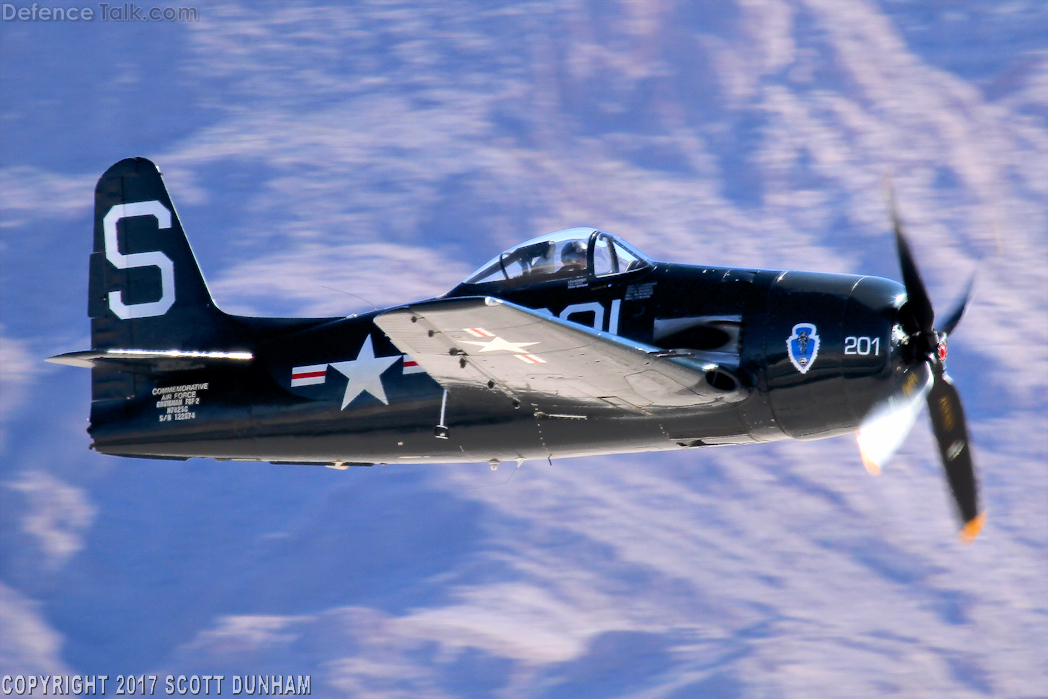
(146, 290)
(157, 339)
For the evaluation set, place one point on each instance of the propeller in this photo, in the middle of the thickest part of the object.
(925, 379)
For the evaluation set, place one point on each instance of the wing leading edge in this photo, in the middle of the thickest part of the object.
(488, 342)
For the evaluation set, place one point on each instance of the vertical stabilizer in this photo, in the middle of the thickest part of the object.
(146, 290)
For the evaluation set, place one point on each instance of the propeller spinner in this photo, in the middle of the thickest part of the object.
(925, 379)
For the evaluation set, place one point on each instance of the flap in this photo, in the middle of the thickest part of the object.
(479, 341)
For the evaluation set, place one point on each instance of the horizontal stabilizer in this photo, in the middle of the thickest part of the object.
(137, 361)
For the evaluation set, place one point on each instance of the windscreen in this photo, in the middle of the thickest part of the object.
(575, 252)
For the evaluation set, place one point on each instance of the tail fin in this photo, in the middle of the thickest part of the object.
(153, 322)
(146, 290)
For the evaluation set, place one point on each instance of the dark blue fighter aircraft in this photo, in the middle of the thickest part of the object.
(569, 344)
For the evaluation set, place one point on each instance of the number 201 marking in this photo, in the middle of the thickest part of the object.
(862, 345)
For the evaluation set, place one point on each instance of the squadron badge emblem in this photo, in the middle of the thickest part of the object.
(803, 346)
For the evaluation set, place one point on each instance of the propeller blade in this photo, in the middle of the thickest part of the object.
(885, 428)
(954, 316)
(951, 432)
(918, 304)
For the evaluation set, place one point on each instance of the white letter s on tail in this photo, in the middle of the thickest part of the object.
(140, 259)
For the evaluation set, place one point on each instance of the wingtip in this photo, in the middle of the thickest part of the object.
(872, 467)
(972, 528)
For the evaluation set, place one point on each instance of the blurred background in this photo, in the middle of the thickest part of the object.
(387, 149)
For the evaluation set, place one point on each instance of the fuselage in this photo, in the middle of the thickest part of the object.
(807, 354)
(571, 343)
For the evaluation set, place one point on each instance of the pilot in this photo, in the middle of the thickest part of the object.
(573, 257)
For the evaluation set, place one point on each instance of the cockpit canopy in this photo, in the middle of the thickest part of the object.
(571, 253)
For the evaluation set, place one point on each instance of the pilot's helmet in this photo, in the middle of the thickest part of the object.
(573, 255)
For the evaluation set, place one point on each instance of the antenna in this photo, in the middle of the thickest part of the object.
(348, 293)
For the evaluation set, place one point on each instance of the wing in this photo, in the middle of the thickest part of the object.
(484, 341)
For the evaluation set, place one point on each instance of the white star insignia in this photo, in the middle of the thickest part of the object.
(365, 373)
(499, 344)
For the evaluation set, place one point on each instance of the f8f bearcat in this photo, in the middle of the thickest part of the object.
(570, 344)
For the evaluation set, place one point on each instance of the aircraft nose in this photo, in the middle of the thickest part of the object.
(828, 349)
(870, 350)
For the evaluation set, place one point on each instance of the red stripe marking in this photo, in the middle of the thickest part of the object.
(410, 363)
(309, 374)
